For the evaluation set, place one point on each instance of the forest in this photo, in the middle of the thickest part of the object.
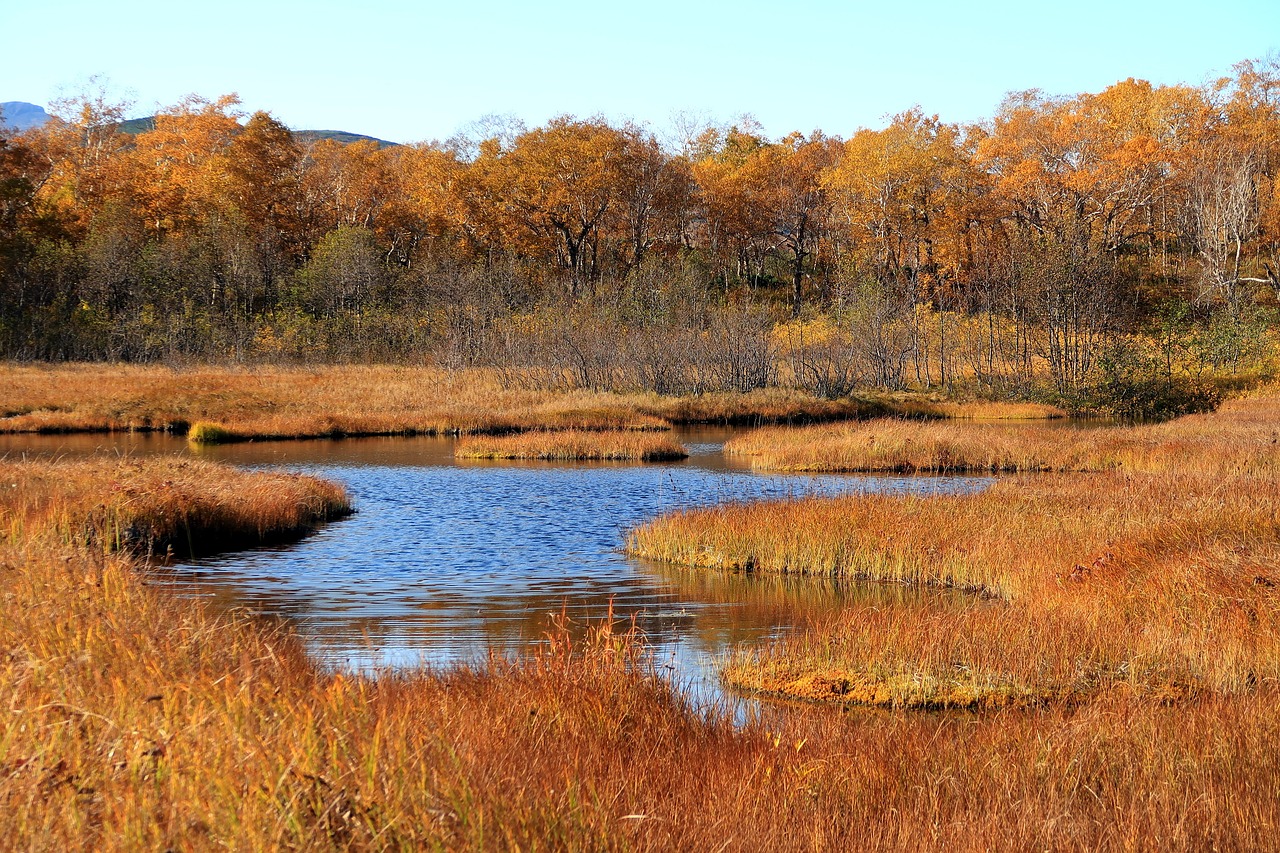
(1079, 248)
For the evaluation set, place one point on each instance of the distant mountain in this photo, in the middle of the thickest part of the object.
(19, 115)
(304, 137)
(134, 126)
(308, 136)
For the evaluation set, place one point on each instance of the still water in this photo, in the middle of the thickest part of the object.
(445, 561)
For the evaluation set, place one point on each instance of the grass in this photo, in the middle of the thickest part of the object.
(917, 406)
(210, 433)
(1156, 577)
(1243, 434)
(573, 445)
(327, 402)
(296, 402)
(134, 721)
(161, 504)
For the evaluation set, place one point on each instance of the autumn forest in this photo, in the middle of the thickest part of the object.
(1062, 246)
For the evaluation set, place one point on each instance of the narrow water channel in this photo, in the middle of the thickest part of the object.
(445, 561)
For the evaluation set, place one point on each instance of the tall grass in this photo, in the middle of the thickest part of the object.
(134, 721)
(158, 504)
(908, 405)
(1243, 434)
(365, 400)
(229, 404)
(572, 445)
(1159, 581)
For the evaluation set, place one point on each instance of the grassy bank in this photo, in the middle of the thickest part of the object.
(158, 504)
(1157, 578)
(569, 445)
(908, 405)
(133, 721)
(1242, 433)
(228, 404)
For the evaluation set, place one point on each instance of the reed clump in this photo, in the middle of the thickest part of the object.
(159, 504)
(205, 432)
(137, 721)
(570, 445)
(1157, 577)
(1242, 434)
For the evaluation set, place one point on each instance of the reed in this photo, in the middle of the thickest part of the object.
(161, 504)
(299, 402)
(1157, 576)
(136, 721)
(205, 432)
(907, 405)
(568, 445)
(1241, 434)
(325, 402)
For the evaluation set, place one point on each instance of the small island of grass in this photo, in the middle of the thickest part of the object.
(573, 445)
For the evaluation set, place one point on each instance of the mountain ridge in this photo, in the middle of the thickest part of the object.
(22, 116)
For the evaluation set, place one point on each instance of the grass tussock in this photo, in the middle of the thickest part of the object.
(158, 504)
(133, 721)
(1161, 582)
(205, 432)
(1241, 435)
(569, 445)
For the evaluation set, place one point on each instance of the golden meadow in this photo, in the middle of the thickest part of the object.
(1117, 657)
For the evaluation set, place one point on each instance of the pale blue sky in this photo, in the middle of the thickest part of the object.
(410, 71)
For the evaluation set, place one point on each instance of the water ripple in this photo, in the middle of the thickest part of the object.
(443, 562)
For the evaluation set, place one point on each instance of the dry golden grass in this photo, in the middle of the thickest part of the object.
(295, 402)
(1161, 582)
(158, 503)
(230, 404)
(908, 405)
(1243, 433)
(765, 405)
(567, 445)
(366, 400)
(133, 721)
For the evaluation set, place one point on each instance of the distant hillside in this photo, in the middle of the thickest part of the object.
(304, 137)
(20, 115)
(308, 136)
(134, 126)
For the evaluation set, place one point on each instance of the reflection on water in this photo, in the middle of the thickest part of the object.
(443, 562)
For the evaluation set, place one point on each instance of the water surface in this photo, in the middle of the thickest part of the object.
(446, 560)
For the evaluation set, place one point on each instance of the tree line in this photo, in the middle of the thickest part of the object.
(1017, 252)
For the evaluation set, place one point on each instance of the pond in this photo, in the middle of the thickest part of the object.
(445, 561)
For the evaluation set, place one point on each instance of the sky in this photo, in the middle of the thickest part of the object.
(417, 71)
